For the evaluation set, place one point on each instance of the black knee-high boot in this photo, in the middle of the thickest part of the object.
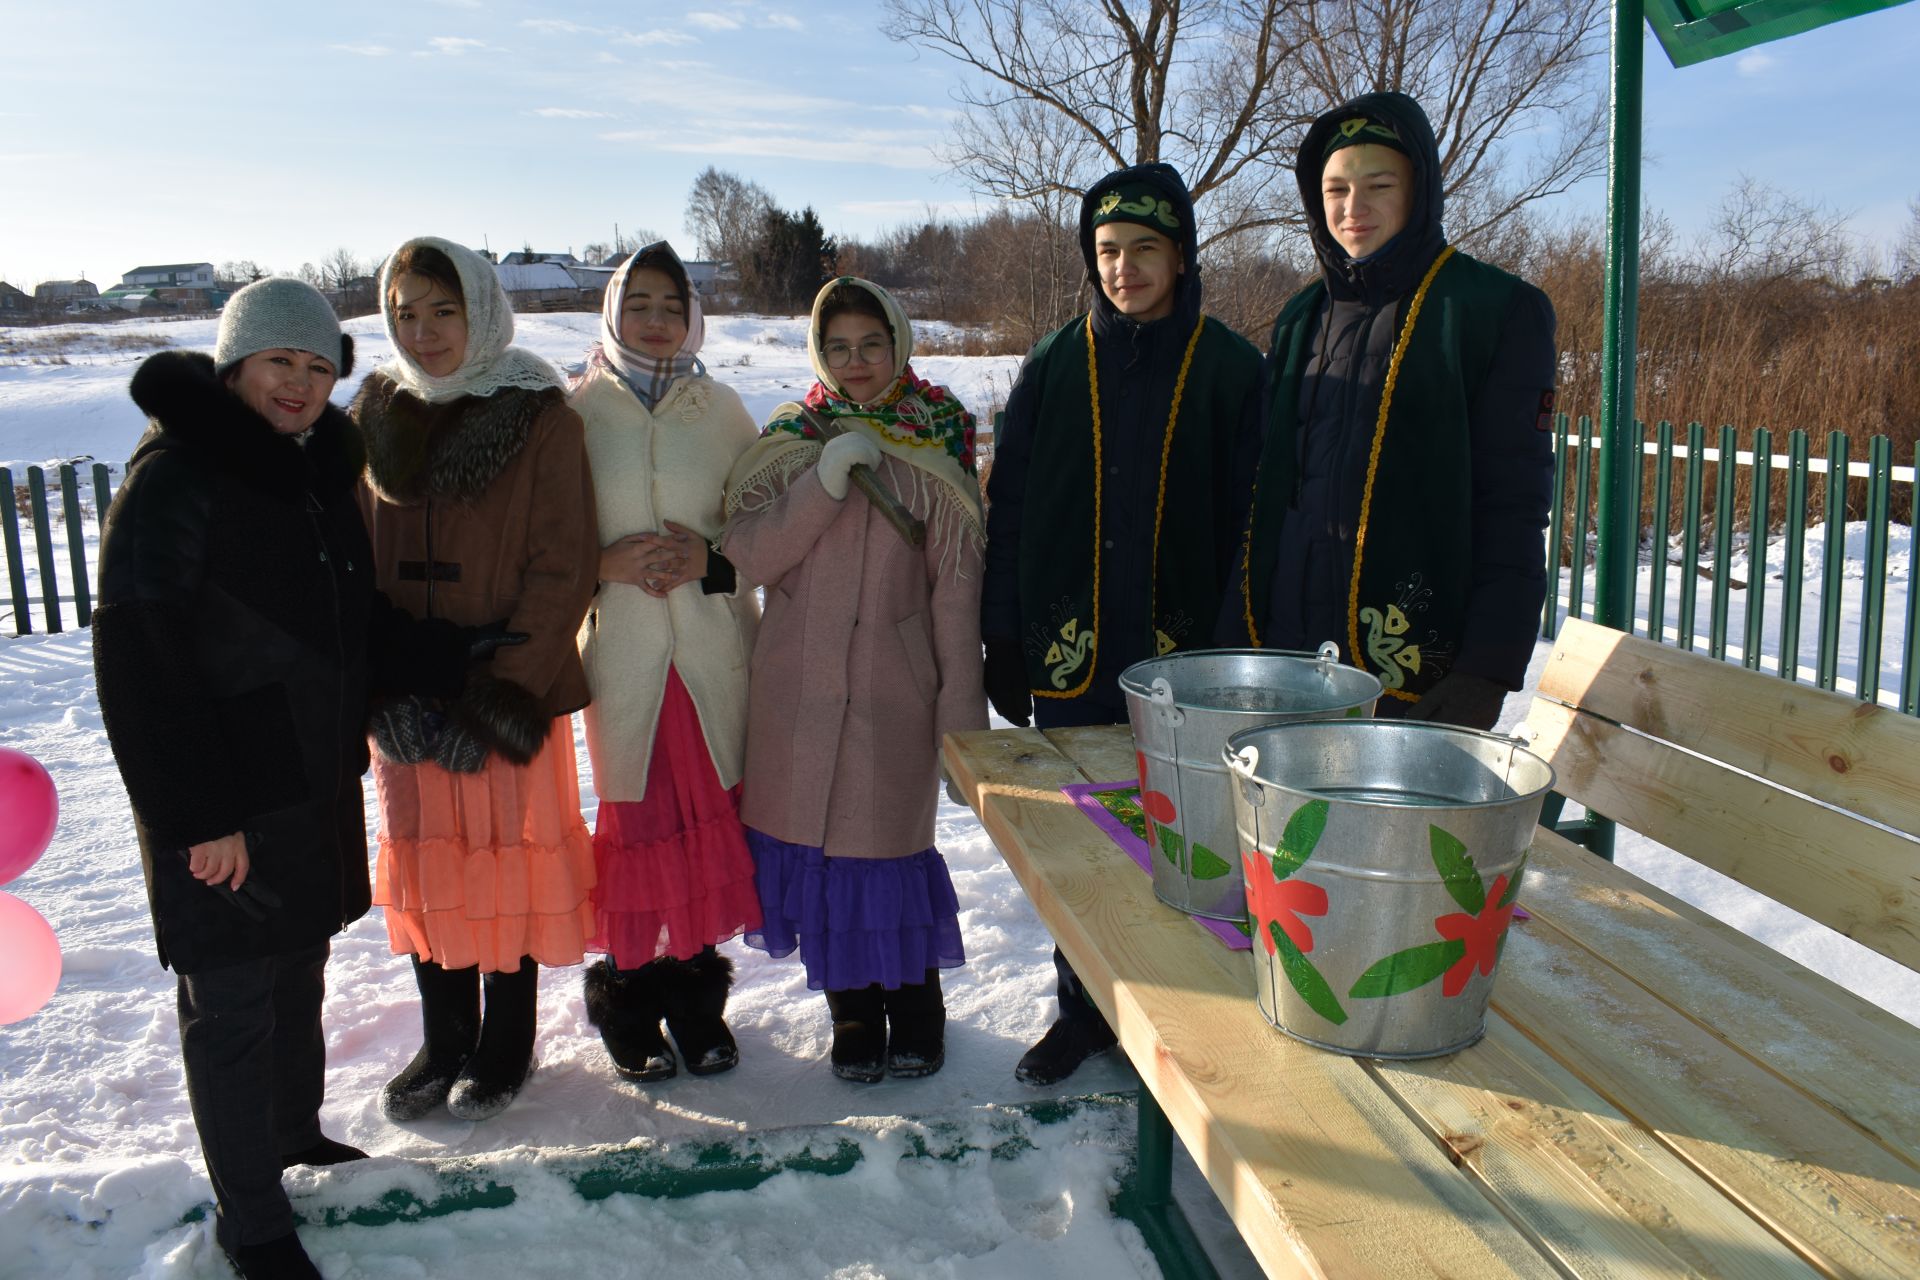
(696, 1006)
(859, 1033)
(626, 1006)
(916, 1028)
(501, 1063)
(450, 1022)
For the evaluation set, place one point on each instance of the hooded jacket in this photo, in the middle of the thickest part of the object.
(1157, 544)
(231, 650)
(1447, 506)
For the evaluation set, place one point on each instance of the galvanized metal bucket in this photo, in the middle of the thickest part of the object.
(1183, 708)
(1386, 859)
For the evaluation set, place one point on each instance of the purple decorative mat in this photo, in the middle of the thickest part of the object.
(1114, 807)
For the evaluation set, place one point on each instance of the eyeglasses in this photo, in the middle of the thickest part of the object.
(872, 351)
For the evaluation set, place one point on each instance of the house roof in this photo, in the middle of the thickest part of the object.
(170, 266)
(7, 288)
(534, 275)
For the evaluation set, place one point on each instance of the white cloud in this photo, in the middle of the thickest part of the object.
(1756, 64)
(455, 46)
(713, 21)
(570, 113)
(364, 50)
(561, 27)
(656, 36)
(785, 21)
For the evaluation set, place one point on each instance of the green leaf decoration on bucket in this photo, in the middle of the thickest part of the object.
(1306, 979)
(1404, 971)
(1300, 838)
(1457, 872)
(1208, 865)
(1172, 843)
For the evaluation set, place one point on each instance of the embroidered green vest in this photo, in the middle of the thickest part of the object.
(1061, 539)
(1412, 550)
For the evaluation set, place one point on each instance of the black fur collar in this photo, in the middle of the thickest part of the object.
(190, 407)
(451, 451)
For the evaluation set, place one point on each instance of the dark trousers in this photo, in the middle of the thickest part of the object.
(1071, 713)
(256, 1065)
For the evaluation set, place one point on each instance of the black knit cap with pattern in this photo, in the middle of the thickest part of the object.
(1142, 203)
(1356, 131)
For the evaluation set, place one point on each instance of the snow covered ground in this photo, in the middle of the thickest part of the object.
(99, 1165)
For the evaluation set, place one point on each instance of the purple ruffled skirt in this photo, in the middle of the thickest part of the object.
(856, 921)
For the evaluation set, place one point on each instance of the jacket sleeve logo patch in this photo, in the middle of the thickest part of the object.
(1544, 422)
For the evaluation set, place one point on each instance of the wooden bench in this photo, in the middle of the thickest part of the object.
(1657, 1094)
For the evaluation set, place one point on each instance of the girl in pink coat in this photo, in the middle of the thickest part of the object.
(867, 655)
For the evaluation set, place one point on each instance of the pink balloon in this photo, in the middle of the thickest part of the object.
(29, 809)
(29, 960)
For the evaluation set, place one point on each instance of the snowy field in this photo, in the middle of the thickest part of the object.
(100, 1176)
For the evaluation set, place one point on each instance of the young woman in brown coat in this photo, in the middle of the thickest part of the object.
(480, 507)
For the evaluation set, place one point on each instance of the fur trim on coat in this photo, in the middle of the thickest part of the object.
(450, 451)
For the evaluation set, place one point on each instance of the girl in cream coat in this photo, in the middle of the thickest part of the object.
(665, 647)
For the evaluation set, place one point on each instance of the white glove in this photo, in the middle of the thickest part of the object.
(840, 457)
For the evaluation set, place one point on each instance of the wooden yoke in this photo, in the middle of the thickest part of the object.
(1807, 796)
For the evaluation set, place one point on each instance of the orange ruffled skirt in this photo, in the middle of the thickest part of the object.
(485, 868)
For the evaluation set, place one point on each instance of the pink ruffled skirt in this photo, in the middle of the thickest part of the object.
(673, 874)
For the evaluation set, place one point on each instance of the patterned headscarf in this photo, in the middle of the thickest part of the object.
(647, 376)
(491, 363)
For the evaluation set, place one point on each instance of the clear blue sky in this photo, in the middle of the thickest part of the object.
(141, 133)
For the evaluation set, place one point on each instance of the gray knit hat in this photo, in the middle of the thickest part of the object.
(280, 312)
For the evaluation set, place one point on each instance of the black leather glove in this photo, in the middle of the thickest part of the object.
(483, 640)
(1459, 697)
(1006, 681)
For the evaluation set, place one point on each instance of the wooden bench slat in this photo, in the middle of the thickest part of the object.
(1852, 876)
(1601, 1195)
(1324, 1174)
(1842, 1199)
(1853, 755)
(1852, 1055)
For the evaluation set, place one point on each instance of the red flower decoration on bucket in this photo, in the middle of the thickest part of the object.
(1157, 804)
(1481, 933)
(1282, 902)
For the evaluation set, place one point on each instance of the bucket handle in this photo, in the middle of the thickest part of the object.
(1328, 655)
(1242, 763)
(1161, 696)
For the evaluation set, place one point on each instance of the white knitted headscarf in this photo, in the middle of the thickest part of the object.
(649, 377)
(491, 363)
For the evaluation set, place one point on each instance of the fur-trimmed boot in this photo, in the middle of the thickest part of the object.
(696, 1005)
(626, 1007)
(500, 1065)
(859, 1033)
(916, 1028)
(450, 1025)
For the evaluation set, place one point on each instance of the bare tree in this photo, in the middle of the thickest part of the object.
(245, 271)
(1764, 234)
(1065, 90)
(340, 269)
(1906, 256)
(726, 214)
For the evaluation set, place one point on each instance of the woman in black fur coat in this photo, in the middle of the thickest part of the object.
(231, 649)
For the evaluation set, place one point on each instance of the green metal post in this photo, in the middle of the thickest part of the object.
(1148, 1203)
(76, 542)
(1757, 530)
(1833, 562)
(1690, 534)
(16, 559)
(102, 494)
(1662, 532)
(1873, 583)
(1794, 564)
(1556, 519)
(43, 546)
(1618, 555)
(1635, 501)
(1724, 473)
(1582, 496)
(1909, 670)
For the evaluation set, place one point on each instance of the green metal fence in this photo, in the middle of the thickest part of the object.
(54, 528)
(1690, 559)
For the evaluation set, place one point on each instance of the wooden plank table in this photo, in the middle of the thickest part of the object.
(1656, 1094)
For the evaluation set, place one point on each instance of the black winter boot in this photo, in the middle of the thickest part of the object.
(916, 1028)
(696, 992)
(324, 1152)
(626, 1007)
(1068, 1043)
(281, 1258)
(450, 1020)
(504, 1058)
(859, 1033)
